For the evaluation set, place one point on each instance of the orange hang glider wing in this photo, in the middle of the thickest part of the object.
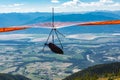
(59, 25)
(112, 22)
(8, 29)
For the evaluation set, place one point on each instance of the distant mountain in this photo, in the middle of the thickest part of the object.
(12, 19)
(12, 77)
(78, 17)
(109, 71)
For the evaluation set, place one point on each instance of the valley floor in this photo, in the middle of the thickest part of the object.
(22, 54)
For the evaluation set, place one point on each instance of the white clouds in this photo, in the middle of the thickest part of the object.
(67, 6)
(12, 5)
(32, 37)
(71, 3)
(82, 36)
(38, 39)
(55, 1)
(79, 6)
(16, 7)
(15, 36)
(106, 1)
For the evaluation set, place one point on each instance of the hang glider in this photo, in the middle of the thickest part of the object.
(54, 32)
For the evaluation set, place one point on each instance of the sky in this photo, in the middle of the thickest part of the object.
(7, 6)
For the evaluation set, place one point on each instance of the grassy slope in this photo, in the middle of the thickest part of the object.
(109, 71)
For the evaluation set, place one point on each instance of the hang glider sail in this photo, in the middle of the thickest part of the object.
(8, 29)
(58, 25)
(67, 24)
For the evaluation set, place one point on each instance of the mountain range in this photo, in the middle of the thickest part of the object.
(13, 19)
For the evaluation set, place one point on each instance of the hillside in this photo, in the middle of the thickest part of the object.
(109, 71)
(12, 77)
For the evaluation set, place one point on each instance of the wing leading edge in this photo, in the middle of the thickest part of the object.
(8, 29)
(111, 22)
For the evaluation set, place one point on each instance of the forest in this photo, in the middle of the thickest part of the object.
(110, 71)
(12, 77)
